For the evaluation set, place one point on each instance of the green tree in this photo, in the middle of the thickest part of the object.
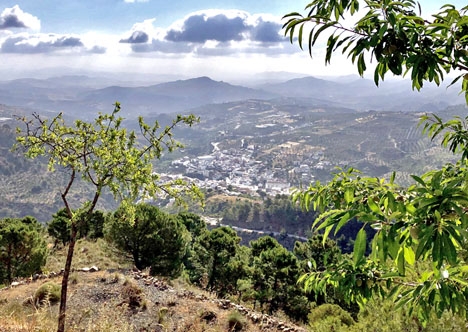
(275, 272)
(23, 249)
(317, 252)
(420, 230)
(193, 223)
(106, 155)
(197, 257)
(154, 238)
(222, 245)
(60, 226)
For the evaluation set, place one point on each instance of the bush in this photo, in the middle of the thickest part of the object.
(48, 293)
(133, 295)
(23, 249)
(329, 317)
(236, 322)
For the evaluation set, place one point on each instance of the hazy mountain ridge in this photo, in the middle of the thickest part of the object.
(83, 95)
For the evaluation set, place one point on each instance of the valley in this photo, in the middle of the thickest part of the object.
(250, 143)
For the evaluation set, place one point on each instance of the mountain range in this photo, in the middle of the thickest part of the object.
(83, 96)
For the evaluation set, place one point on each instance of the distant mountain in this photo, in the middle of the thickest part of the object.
(85, 96)
(174, 96)
(363, 94)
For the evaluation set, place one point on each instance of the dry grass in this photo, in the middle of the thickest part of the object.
(107, 301)
(87, 253)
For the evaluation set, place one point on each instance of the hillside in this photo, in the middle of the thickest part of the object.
(117, 298)
(287, 140)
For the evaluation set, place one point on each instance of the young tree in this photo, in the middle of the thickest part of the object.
(426, 222)
(23, 250)
(154, 238)
(59, 227)
(106, 155)
(222, 245)
(275, 272)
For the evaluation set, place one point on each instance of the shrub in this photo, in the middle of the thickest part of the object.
(133, 295)
(48, 293)
(329, 317)
(236, 322)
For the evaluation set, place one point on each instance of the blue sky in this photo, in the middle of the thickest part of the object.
(221, 39)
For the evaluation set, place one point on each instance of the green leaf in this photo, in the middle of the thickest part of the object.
(344, 219)
(410, 257)
(448, 248)
(359, 246)
(349, 194)
(373, 206)
(401, 261)
(419, 180)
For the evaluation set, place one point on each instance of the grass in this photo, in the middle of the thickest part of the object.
(111, 300)
(88, 253)
(236, 322)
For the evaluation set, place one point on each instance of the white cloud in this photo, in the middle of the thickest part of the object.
(133, 1)
(218, 43)
(211, 33)
(15, 18)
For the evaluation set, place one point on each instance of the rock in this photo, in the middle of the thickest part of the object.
(15, 283)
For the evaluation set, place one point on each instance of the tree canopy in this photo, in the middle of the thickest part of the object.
(418, 253)
(391, 33)
(23, 249)
(154, 238)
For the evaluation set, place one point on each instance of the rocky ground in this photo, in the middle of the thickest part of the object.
(129, 300)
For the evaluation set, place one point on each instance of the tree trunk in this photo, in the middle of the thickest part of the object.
(8, 264)
(66, 274)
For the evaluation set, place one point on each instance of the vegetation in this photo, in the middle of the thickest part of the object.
(392, 33)
(418, 250)
(60, 226)
(154, 238)
(236, 322)
(23, 249)
(106, 156)
(47, 294)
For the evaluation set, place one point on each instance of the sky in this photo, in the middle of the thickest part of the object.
(225, 39)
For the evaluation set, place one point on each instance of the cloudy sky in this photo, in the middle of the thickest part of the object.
(222, 39)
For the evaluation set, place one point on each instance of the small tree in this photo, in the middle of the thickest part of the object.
(23, 249)
(222, 245)
(427, 221)
(275, 272)
(60, 226)
(106, 155)
(154, 238)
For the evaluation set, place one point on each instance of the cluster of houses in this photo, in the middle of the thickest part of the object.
(237, 171)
